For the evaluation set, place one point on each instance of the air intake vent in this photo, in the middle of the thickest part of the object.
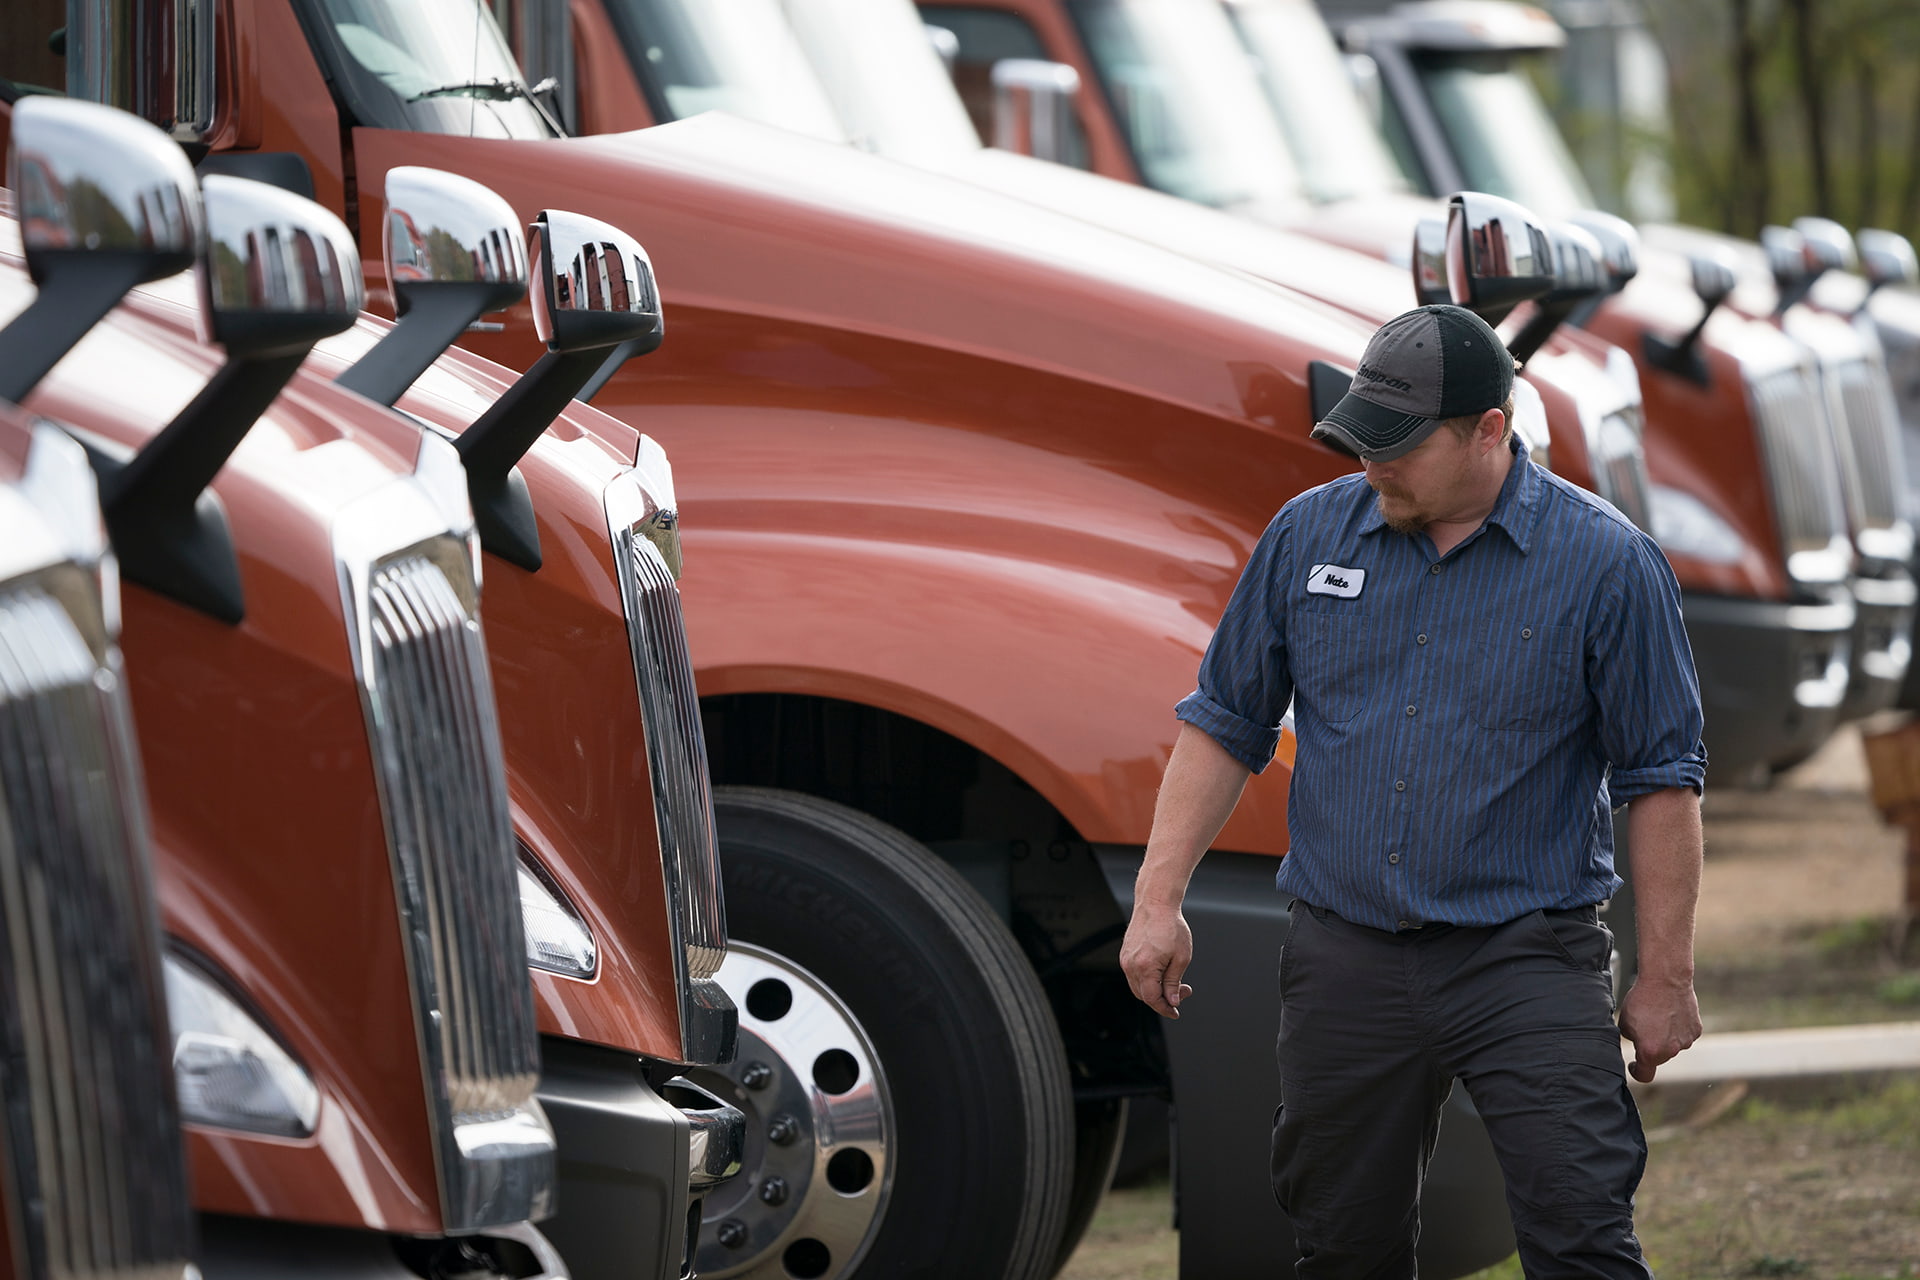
(92, 1138)
(430, 705)
(1800, 462)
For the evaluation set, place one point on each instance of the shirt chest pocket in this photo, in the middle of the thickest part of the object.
(1531, 677)
(1334, 658)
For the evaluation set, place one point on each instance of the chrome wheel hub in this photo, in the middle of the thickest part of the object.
(820, 1127)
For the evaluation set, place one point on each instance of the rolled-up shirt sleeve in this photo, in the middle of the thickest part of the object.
(1640, 669)
(1245, 684)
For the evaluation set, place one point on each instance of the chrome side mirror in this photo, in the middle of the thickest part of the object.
(1033, 107)
(454, 251)
(154, 58)
(596, 285)
(1829, 246)
(1364, 74)
(1498, 255)
(280, 274)
(1430, 263)
(1786, 252)
(1887, 258)
(1579, 274)
(1619, 245)
(595, 305)
(1714, 278)
(105, 202)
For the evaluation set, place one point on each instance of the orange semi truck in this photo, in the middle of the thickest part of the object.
(618, 941)
(1750, 513)
(968, 485)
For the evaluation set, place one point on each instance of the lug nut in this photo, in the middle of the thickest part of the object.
(758, 1075)
(783, 1129)
(774, 1189)
(731, 1232)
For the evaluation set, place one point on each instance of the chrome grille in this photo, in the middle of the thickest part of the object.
(676, 754)
(1863, 406)
(90, 1124)
(1800, 462)
(1620, 466)
(430, 702)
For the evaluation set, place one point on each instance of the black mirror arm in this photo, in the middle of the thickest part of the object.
(492, 447)
(1547, 316)
(435, 319)
(1680, 357)
(615, 358)
(74, 296)
(169, 534)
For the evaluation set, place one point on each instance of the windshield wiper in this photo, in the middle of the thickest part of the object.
(498, 90)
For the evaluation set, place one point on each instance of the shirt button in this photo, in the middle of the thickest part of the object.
(1420, 639)
(1526, 633)
(1433, 569)
(1400, 786)
(1405, 925)
(1395, 859)
(1410, 710)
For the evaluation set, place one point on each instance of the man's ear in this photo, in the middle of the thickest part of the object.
(1491, 427)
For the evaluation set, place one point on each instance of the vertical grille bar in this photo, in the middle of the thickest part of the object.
(1800, 461)
(677, 755)
(91, 1125)
(1867, 415)
(443, 775)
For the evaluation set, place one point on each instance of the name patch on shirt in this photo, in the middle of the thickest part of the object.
(1332, 580)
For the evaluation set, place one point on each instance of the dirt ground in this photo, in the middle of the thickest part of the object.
(1820, 1180)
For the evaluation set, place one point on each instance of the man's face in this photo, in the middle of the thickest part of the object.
(1431, 482)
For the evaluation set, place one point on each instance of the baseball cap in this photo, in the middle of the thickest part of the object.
(1422, 368)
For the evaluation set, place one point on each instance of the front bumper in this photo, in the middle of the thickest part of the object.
(634, 1162)
(264, 1249)
(1882, 642)
(1773, 675)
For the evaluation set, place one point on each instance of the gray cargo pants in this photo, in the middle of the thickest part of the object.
(1374, 1029)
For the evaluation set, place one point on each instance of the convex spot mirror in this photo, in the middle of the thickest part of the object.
(282, 272)
(1498, 255)
(1619, 244)
(1786, 251)
(1033, 107)
(596, 286)
(1887, 258)
(449, 233)
(90, 181)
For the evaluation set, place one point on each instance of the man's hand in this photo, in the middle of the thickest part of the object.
(1661, 1018)
(1155, 956)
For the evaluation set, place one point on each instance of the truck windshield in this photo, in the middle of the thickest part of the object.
(1187, 96)
(723, 55)
(1504, 139)
(1335, 144)
(892, 93)
(429, 66)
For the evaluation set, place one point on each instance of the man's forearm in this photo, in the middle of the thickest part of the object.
(1665, 852)
(1197, 796)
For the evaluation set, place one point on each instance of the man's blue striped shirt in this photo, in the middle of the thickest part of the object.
(1466, 722)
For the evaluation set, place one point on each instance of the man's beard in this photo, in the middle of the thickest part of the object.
(1408, 518)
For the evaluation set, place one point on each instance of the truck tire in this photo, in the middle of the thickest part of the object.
(906, 1091)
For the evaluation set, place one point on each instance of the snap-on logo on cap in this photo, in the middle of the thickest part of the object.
(1332, 580)
(1374, 375)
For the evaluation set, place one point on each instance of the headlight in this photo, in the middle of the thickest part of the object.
(229, 1070)
(558, 940)
(1684, 524)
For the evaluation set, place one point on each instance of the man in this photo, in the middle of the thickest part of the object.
(1482, 661)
